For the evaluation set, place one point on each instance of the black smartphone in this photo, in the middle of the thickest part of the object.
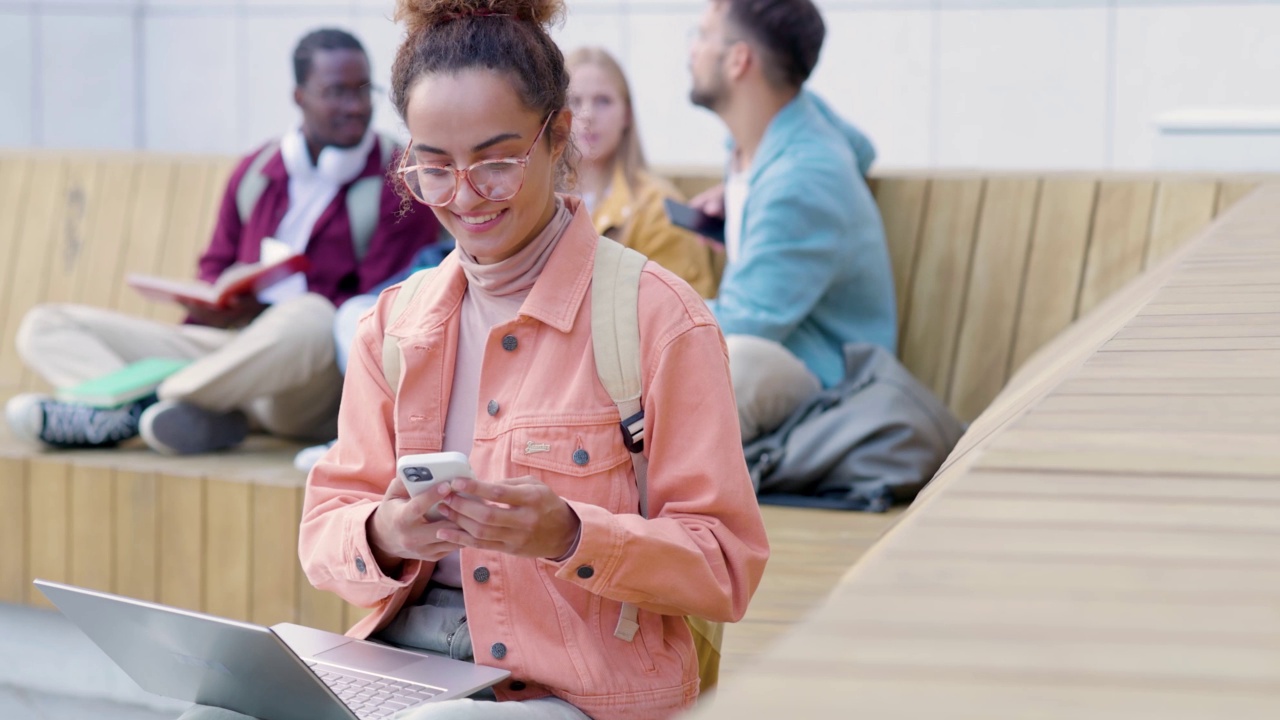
(688, 218)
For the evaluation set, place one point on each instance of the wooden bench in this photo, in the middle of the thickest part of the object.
(988, 268)
(1103, 544)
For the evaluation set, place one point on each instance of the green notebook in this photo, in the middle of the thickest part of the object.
(129, 383)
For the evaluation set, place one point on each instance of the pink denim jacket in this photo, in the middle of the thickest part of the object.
(543, 412)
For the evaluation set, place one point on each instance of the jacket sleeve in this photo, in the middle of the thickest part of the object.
(796, 238)
(651, 233)
(705, 529)
(348, 483)
(403, 230)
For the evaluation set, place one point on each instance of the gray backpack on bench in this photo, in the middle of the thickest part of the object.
(873, 440)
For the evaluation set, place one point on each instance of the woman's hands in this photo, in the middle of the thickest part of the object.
(405, 528)
(518, 516)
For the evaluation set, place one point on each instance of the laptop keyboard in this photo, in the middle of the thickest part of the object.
(371, 697)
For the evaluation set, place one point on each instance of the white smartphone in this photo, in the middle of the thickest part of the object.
(419, 472)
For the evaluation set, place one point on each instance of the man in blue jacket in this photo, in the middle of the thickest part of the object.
(808, 268)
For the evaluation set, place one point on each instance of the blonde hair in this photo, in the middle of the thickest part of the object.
(628, 153)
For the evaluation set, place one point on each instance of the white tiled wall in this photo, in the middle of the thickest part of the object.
(17, 80)
(936, 83)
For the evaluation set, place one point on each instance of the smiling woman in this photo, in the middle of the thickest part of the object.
(542, 562)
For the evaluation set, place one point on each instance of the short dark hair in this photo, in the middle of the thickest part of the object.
(322, 39)
(790, 32)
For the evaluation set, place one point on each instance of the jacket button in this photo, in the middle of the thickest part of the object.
(510, 343)
(498, 650)
(481, 574)
(586, 571)
(360, 565)
(493, 407)
(581, 457)
(518, 685)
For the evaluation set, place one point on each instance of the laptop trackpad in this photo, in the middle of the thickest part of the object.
(367, 657)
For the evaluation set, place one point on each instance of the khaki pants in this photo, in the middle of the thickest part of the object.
(279, 370)
(769, 383)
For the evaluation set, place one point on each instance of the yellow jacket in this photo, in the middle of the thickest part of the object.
(635, 217)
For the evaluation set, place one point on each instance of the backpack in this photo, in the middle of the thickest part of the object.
(615, 339)
(364, 195)
(871, 441)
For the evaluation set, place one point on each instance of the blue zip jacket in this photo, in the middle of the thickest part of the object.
(813, 271)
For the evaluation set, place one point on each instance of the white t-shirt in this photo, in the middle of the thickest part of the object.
(735, 201)
(311, 190)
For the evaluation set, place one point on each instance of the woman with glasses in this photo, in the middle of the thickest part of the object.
(626, 202)
(528, 566)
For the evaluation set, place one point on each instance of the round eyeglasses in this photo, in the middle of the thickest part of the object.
(496, 180)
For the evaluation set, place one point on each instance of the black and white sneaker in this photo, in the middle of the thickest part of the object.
(40, 419)
(177, 428)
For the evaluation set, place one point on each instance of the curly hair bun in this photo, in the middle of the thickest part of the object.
(419, 15)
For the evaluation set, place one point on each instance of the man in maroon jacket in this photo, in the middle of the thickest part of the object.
(267, 361)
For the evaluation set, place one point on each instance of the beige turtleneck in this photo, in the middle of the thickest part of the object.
(494, 295)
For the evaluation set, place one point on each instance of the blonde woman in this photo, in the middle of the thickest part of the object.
(613, 178)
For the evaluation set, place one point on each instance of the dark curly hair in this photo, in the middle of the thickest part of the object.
(505, 36)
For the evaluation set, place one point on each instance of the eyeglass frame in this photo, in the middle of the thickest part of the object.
(459, 174)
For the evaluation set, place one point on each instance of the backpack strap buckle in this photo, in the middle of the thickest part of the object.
(633, 433)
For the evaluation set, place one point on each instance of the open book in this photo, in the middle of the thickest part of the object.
(244, 279)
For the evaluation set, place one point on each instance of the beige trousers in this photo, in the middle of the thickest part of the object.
(769, 383)
(279, 369)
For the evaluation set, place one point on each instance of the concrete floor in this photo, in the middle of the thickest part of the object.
(50, 671)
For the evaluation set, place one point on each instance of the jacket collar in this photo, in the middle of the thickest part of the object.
(777, 137)
(615, 207)
(554, 300)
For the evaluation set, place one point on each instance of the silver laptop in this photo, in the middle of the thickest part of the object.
(285, 672)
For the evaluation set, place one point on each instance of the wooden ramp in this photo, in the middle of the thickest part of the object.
(1106, 542)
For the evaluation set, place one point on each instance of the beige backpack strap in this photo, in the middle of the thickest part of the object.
(615, 338)
(364, 199)
(254, 183)
(390, 343)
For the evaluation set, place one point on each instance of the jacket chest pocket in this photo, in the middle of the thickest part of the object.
(587, 463)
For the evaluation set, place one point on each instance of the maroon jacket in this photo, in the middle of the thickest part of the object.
(334, 272)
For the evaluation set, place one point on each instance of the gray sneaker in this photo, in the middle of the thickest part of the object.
(177, 428)
(42, 420)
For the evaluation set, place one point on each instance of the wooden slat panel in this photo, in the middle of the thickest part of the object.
(182, 558)
(68, 238)
(276, 514)
(1183, 208)
(228, 539)
(942, 274)
(1229, 193)
(148, 229)
(13, 530)
(48, 532)
(185, 237)
(137, 531)
(353, 614)
(30, 271)
(1103, 552)
(93, 527)
(107, 234)
(320, 609)
(1118, 240)
(987, 325)
(809, 552)
(902, 208)
(1055, 264)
